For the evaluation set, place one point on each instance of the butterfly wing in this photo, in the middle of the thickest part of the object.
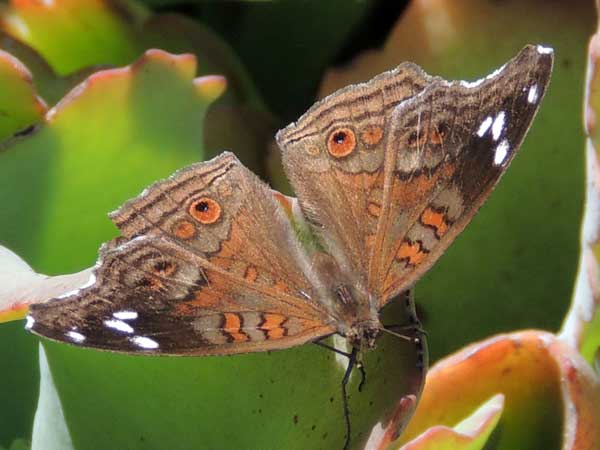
(334, 155)
(449, 147)
(443, 150)
(207, 264)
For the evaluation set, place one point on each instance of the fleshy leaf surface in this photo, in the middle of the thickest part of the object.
(49, 428)
(286, 46)
(72, 35)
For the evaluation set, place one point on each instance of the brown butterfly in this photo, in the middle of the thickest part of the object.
(387, 174)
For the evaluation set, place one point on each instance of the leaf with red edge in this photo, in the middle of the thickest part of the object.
(20, 106)
(581, 327)
(72, 34)
(134, 124)
(471, 433)
(50, 86)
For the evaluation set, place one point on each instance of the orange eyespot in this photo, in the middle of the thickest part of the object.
(184, 229)
(205, 210)
(341, 142)
(371, 135)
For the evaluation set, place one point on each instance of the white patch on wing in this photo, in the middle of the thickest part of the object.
(75, 336)
(501, 152)
(144, 342)
(544, 50)
(29, 321)
(69, 294)
(125, 245)
(498, 125)
(532, 95)
(496, 72)
(125, 315)
(485, 125)
(118, 325)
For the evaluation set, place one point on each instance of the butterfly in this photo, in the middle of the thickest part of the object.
(387, 173)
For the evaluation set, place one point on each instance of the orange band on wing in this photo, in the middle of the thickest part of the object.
(411, 252)
(273, 325)
(436, 220)
(233, 327)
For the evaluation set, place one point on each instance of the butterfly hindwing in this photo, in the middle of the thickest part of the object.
(207, 264)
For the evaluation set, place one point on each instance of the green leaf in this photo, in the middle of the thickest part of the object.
(73, 34)
(110, 137)
(18, 391)
(21, 106)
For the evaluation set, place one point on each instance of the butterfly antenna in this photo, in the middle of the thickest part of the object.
(401, 336)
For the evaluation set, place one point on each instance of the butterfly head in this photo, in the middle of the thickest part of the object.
(363, 335)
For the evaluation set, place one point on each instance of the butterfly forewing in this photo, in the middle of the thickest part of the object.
(208, 265)
(446, 150)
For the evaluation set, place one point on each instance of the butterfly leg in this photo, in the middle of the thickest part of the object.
(351, 364)
(333, 349)
(359, 365)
